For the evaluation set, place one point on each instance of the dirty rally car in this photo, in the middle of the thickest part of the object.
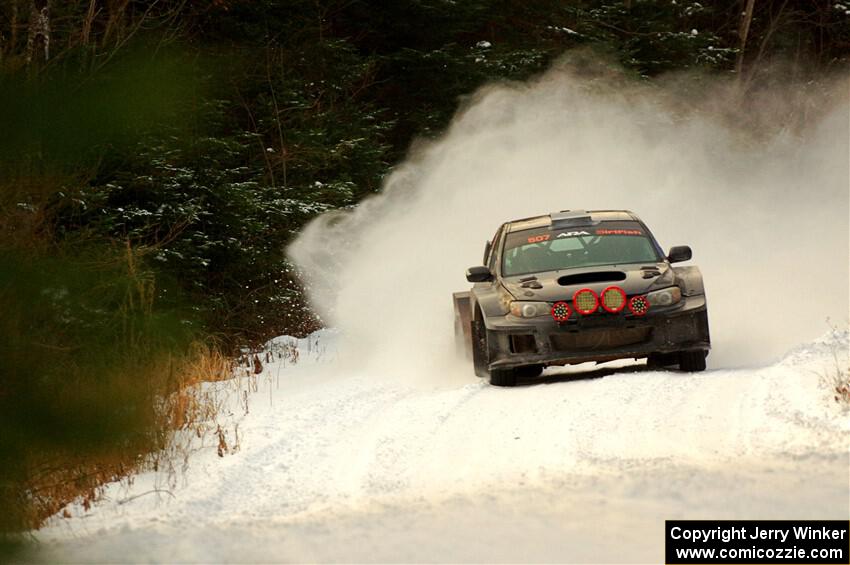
(576, 286)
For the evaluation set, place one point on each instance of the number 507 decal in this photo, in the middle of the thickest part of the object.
(538, 238)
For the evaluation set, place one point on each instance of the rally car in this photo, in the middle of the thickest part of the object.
(578, 286)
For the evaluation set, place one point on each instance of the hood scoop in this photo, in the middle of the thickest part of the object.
(650, 272)
(530, 282)
(593, 277)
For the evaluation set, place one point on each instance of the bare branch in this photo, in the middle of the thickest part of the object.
(743, 32)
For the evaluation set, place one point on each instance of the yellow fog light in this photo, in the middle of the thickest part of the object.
(585, 301)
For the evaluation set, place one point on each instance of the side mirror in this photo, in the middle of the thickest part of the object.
(679, 253)
(478, 274)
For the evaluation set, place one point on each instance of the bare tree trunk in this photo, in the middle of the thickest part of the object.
(743, 32)
(88, 22)
(39, 29)
(775, 24)
(115, 24)
(13, 32)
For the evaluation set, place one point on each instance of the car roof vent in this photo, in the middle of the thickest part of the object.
(570, 218)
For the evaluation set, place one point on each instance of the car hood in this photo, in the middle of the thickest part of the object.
(551, 286)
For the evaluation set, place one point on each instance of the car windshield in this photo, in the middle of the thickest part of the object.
(607, 243)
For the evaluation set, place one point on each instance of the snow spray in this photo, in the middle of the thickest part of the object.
(756, 183)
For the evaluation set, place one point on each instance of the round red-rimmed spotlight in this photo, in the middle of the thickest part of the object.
(561, 311)
(585, 301)
(613, 299)
(639, 305)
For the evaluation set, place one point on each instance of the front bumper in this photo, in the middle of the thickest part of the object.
(601, 336)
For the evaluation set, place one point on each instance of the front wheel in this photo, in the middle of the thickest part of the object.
(661, 360)
(480, 358)
(692, 361)
(528, 371)
(503, 377)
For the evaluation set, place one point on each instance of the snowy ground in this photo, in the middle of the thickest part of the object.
(582, 466)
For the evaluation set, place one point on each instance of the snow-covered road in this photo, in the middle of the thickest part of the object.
(583, 465)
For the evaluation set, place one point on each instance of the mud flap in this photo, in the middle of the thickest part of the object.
(463, 337)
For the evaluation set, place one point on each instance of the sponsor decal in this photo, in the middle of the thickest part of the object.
(572, 233)
(618, 232)
(538, 238)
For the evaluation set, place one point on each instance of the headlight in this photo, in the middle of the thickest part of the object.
(530, 309)
(665, 297)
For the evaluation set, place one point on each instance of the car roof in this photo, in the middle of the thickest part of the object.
(595, 216)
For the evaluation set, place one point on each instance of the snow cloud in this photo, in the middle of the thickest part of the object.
(755, 183)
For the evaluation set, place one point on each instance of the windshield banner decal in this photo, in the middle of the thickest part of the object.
(619, 232)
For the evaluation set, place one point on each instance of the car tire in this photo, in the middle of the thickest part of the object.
(692, 361)
(528, 371)
(661, 360)
(480, 358)
(503, 377)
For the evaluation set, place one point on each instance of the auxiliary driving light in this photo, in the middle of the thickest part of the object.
(585, 301)
(561, 311)
(613, 299)
(639, 305)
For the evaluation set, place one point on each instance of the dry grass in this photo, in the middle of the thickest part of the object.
(187, 406)
(189, 415)
(837, 376)
(839, 381)
(114, 397)
(57, 479)
(144, 394)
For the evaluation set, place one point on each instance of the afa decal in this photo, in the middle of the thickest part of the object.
(572, 233)
(619, 232)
